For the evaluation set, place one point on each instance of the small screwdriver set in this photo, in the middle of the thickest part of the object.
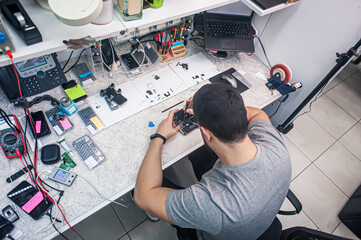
(170, 44)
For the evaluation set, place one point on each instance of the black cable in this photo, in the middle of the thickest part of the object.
(67, 61)
(8, 121)
(76, 61)
(26, 145)
(264, 51)
(310, 104)
(56, 229)
(281, 101)
(42, 98)
(140, 38)
(60, 191)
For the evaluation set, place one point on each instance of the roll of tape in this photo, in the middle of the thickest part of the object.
(65, 101)
(20, 18)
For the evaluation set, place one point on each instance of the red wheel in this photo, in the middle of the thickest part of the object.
(283, 70)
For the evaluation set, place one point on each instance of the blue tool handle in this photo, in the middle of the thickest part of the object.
(85, 74)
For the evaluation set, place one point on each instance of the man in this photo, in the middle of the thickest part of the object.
(240, 196)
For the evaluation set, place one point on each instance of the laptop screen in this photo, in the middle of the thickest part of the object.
(234, 9)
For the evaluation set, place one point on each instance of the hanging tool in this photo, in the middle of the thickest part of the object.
(281, 79)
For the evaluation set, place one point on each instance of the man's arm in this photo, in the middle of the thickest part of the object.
(255, 113)
(149, 194)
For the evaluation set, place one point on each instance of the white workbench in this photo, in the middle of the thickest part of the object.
(124, 145)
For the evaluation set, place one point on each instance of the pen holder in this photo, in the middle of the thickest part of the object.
(174, 52)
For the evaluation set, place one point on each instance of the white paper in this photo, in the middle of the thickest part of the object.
(134, 104)
(260, 76)
(159, 85)
(199, 69)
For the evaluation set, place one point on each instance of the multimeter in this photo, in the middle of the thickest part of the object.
(10, 139)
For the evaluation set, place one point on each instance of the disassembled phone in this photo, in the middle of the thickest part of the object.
(30, 199)
(62, 176)
(185, 121)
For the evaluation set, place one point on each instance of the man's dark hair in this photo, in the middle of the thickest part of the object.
(220, 108)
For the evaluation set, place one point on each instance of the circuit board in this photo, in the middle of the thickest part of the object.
(185, 121)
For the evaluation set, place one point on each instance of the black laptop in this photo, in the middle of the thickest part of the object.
(229, 28)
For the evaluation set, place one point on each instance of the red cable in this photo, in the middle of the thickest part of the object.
(16, 73)
(35, 148)
(19, 156)
(68, 223)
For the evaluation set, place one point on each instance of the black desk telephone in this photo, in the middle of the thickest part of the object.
(36, 76)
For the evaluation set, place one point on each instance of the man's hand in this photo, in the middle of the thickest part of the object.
(188, 108)
(166, 127)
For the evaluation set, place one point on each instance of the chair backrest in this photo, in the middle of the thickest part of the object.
(273, 232)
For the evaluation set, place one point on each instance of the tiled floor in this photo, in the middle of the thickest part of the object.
(325, 149)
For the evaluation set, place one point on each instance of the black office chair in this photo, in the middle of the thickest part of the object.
(274, 232)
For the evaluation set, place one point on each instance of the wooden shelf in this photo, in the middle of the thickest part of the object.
(262, 12)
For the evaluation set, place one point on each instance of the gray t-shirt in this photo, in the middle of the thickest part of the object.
(237, 202)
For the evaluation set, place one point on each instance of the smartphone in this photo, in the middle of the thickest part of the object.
(74, 91)
(30, 200)
(40, 124)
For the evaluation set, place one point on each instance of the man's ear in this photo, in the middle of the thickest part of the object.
(206, 133)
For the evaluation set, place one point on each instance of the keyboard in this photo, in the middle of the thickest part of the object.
(229, 29)
(88, 151)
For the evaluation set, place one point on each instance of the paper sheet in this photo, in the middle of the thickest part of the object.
(134, 104)
(159, 85)
(198, 68)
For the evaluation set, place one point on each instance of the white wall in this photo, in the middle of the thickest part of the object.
(306, 37)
